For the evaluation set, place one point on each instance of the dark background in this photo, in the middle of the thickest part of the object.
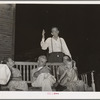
(78, 25)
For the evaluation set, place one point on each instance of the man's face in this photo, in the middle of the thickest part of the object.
(41, 62)
(66, 62)
(55, 32)
(10, 62)
(69, 65)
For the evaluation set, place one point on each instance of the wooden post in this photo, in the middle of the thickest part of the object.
(24, 73)
(27, 72)
(86, 78)
(82, 77)
(93, 84)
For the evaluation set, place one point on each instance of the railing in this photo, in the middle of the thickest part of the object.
(26, 67)
(88, 79)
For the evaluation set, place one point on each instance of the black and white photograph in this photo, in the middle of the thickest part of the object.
(50, 47)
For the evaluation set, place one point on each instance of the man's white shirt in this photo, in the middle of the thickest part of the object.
(58, 45)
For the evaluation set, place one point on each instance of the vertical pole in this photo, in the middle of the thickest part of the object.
(93, 84)
(86, 78)
(56, 72)
(53, 70)
(24, 73)
(27, 73)
(31, 72)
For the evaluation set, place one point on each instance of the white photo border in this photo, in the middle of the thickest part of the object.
(49, 95)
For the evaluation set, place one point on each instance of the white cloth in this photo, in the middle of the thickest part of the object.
(40, 68)
(56, 44)
(5, 74)
(44, 80)
(17, 85)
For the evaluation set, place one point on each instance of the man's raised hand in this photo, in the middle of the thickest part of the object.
(43, 33)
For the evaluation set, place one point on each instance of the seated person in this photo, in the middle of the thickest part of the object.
(15, 83)
(68, 76)
(41, 76)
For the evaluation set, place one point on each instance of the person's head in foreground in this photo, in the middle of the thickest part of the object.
(67, 61)
(55, 31)
(42, 61)
(10, 62)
